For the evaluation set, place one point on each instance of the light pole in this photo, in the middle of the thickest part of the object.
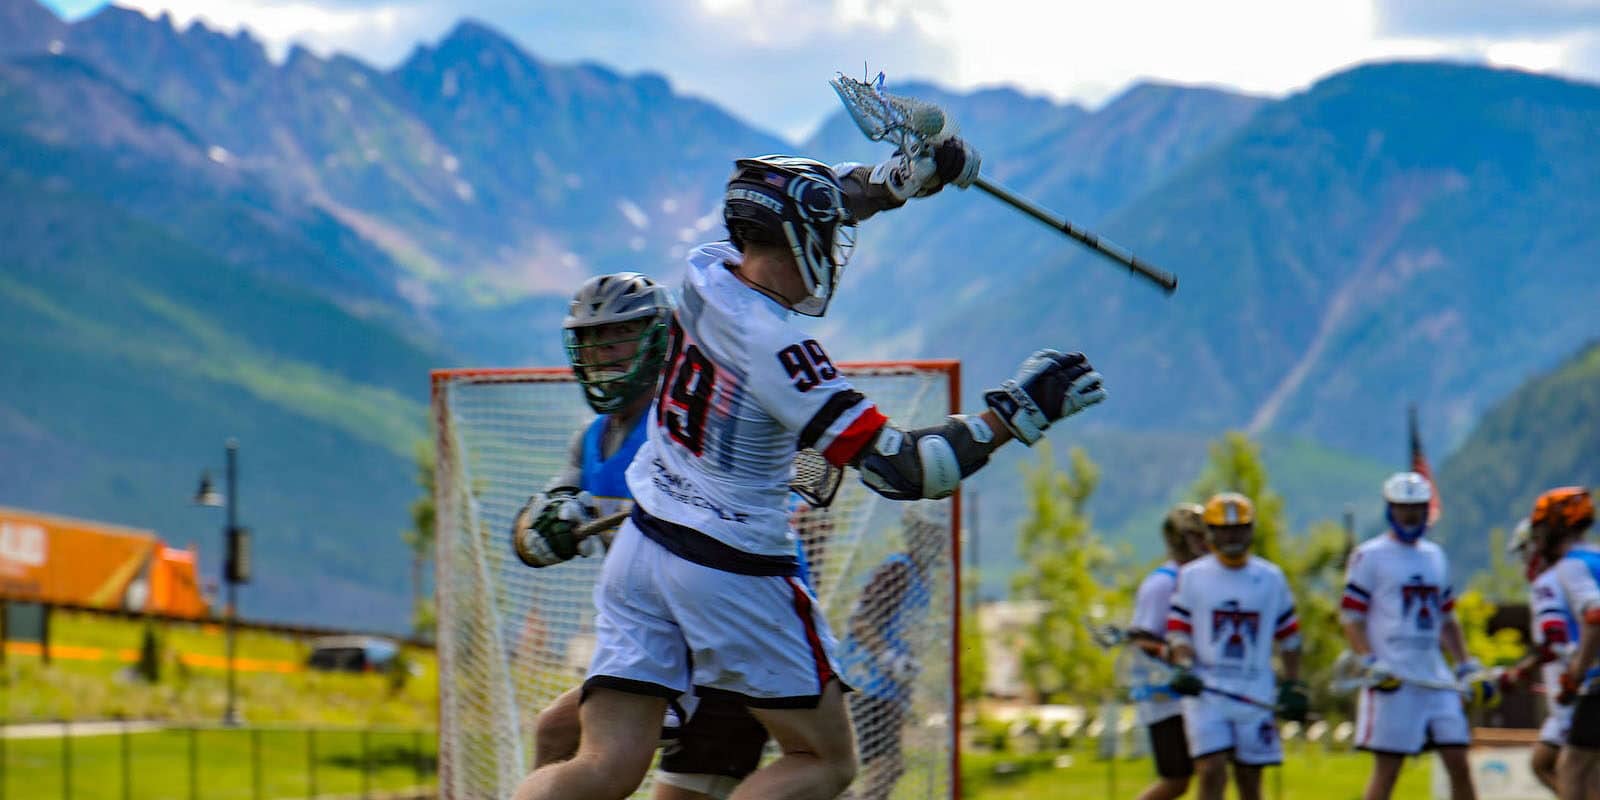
(235, 565)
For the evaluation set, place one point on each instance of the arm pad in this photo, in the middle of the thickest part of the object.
(927, 463)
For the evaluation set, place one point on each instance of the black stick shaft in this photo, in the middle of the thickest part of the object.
(1166, 280)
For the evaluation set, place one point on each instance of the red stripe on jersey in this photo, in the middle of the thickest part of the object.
(1288, 630)
(852, 440)
(802, 606)
(1175, 624)
(1555, 631)
(1353, 604)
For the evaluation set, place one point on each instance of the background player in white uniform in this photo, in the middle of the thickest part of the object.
(1558, 523)
(1398, 609)
(699, 589)
(1229, 610)
(1553, 632)
(1185, 536)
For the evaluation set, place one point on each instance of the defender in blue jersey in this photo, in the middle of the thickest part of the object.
(888, 626)
(616, 342)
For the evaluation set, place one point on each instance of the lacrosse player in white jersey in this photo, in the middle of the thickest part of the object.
(1557, 525)
(1185, 536)
(1554, 635)
(699, 590)
(1397, 611)
(1228, 612)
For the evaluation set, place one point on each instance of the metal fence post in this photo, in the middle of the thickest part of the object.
(255, 762)
(311, 762)
(366, 767)
(127, 761)
(194, 763)
(66, 761)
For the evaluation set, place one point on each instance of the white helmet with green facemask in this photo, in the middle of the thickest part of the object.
(616, 337)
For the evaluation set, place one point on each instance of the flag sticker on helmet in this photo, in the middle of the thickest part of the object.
(1231, 513)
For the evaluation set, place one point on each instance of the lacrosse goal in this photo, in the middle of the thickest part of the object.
(511, 639)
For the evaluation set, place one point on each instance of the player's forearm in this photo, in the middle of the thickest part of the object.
(1290, 660)
(1001, 433)
(1355, 634)
(1453, 641)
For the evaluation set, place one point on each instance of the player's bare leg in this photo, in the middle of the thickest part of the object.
(1385, 771)
(1165, 789)
(1460, 772)
(877, 778)
(1211, 775)
(556, 731)
(1543, 763)
(621, 732)
(1247, 780)
(1577, 772)
(819, 752)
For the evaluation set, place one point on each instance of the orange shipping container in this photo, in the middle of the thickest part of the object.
(51, 559)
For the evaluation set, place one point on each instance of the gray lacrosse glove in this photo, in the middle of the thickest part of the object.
(957, 163)
(1048, 387)
(545, 531)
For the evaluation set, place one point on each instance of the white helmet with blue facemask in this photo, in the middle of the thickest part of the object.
(1409, 495)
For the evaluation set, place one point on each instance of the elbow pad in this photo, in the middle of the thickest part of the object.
(927, 463)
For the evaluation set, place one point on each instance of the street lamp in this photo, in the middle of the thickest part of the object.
(236, 569)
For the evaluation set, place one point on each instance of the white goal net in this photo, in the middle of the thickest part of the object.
(511, 639)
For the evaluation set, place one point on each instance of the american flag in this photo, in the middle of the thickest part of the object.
(1419, 464)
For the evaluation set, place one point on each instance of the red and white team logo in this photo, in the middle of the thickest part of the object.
(1422, 597)
(1235, 628)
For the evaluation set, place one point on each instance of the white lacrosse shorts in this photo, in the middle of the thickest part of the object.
(664, 624)
(1410, 719)
(1557, 722)
(1215, 724)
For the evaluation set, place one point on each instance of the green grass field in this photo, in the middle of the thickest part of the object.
(1309, 773)
(216, 764)
(68, 688)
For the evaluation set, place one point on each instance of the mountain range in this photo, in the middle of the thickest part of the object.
(208, 243)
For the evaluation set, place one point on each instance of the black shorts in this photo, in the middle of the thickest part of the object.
(1170, 747)
(1585, 730)
(721, 738)
(877, 723)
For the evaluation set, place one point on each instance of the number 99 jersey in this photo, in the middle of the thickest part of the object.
(742, 391)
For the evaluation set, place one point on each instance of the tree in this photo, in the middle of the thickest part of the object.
(420, 538)
(1063, 557)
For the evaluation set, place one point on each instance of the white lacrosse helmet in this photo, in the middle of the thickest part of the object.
(1407, 488)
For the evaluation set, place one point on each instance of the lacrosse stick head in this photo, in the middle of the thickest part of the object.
(1141, 676)
(1348, 673)
(881, 116)
(1104, 635)
(814, 479)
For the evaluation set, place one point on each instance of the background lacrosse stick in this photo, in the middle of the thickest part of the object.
(1349, 675)
(1143, 676)
(909, 123)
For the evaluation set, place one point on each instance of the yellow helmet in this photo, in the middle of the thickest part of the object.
(1229, 508)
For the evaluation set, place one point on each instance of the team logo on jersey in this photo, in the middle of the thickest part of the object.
(1424, 597)
(1543, 592)
(1235, 628)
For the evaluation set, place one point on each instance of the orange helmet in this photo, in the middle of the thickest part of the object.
(1567, 510)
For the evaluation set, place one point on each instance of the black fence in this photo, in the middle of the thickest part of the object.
(136, 760)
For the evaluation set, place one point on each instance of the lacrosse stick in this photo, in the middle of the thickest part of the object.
(1349, 675)
(1145, 677)
(909, 123)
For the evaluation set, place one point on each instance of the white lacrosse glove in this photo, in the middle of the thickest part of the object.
(1048, 387)
(927, 170)
(1378, 674)
(545, 531)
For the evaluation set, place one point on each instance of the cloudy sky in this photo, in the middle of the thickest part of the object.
(767, 60)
